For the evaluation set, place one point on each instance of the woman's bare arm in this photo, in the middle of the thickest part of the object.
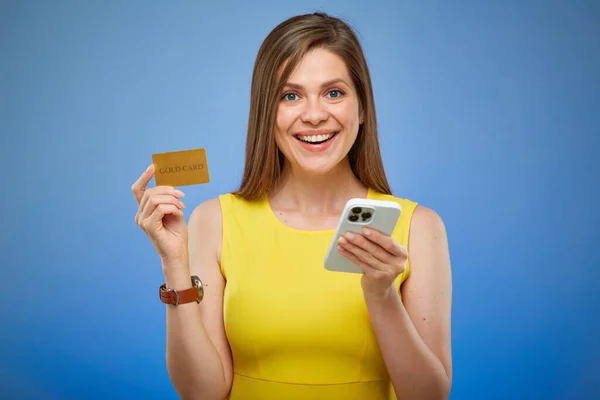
(198, 354)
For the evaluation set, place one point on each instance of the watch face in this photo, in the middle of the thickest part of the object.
(198, 284)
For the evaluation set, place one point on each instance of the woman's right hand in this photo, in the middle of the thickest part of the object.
(161, 217)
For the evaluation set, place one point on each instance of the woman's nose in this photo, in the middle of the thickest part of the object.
(314, 113)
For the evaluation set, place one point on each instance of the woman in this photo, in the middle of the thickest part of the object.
(273, 323)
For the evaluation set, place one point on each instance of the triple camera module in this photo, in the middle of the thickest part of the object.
(360, 214)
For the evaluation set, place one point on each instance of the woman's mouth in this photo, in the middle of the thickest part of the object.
(316, 139)
(317, 142)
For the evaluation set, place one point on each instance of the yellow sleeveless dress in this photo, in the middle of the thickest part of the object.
(297, 330)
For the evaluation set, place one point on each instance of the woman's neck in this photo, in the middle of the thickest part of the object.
(316, 193)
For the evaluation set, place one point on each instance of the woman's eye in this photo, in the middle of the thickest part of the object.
(335, 93)
(290, 96)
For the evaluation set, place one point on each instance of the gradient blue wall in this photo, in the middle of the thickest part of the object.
(489, 114)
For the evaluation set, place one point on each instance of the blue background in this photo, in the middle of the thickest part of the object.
(489, 113)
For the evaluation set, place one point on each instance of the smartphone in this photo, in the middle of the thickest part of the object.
(359, 213)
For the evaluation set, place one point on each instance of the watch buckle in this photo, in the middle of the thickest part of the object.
(176, 296)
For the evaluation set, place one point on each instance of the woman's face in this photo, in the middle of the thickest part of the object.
(318, 113)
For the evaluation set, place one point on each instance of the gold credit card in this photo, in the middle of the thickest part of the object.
(180, 168)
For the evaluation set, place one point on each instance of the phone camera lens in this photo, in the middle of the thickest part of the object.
(356, 210)
(366, 215)
(353, 218)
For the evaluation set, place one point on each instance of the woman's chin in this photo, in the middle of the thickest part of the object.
(317, 167)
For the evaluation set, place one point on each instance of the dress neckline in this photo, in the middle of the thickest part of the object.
(310, 232)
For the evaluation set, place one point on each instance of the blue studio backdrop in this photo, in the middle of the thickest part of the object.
(488, 112)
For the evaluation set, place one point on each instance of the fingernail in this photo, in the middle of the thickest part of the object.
(350, 235)
(182, 204)
(341, 240)
(150, 168)
(179, 193)
(366, 231)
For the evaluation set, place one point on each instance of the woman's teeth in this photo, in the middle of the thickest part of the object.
(316, 138)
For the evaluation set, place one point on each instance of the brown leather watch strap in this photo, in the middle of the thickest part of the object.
(175, 297)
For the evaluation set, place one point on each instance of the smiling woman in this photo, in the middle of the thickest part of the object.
(311, 78)
(272, 322)
(319, 93)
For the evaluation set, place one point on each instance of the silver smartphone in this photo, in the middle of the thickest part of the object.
(358, 213)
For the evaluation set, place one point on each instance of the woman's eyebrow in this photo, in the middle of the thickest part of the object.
(324, 84)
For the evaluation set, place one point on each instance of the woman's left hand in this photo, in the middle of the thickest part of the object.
(381, 258)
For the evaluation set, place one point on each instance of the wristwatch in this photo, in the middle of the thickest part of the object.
(175, 297)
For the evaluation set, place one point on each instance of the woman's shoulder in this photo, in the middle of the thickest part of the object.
(206, 214)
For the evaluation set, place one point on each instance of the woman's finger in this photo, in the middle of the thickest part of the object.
(139, 187)
(156, 200)
(158, 214)
(364, 266)
(372, 248)
(384, 241)
(361, 254)
(159, 191)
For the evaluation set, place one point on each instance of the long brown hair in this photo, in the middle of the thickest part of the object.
(285, 46)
